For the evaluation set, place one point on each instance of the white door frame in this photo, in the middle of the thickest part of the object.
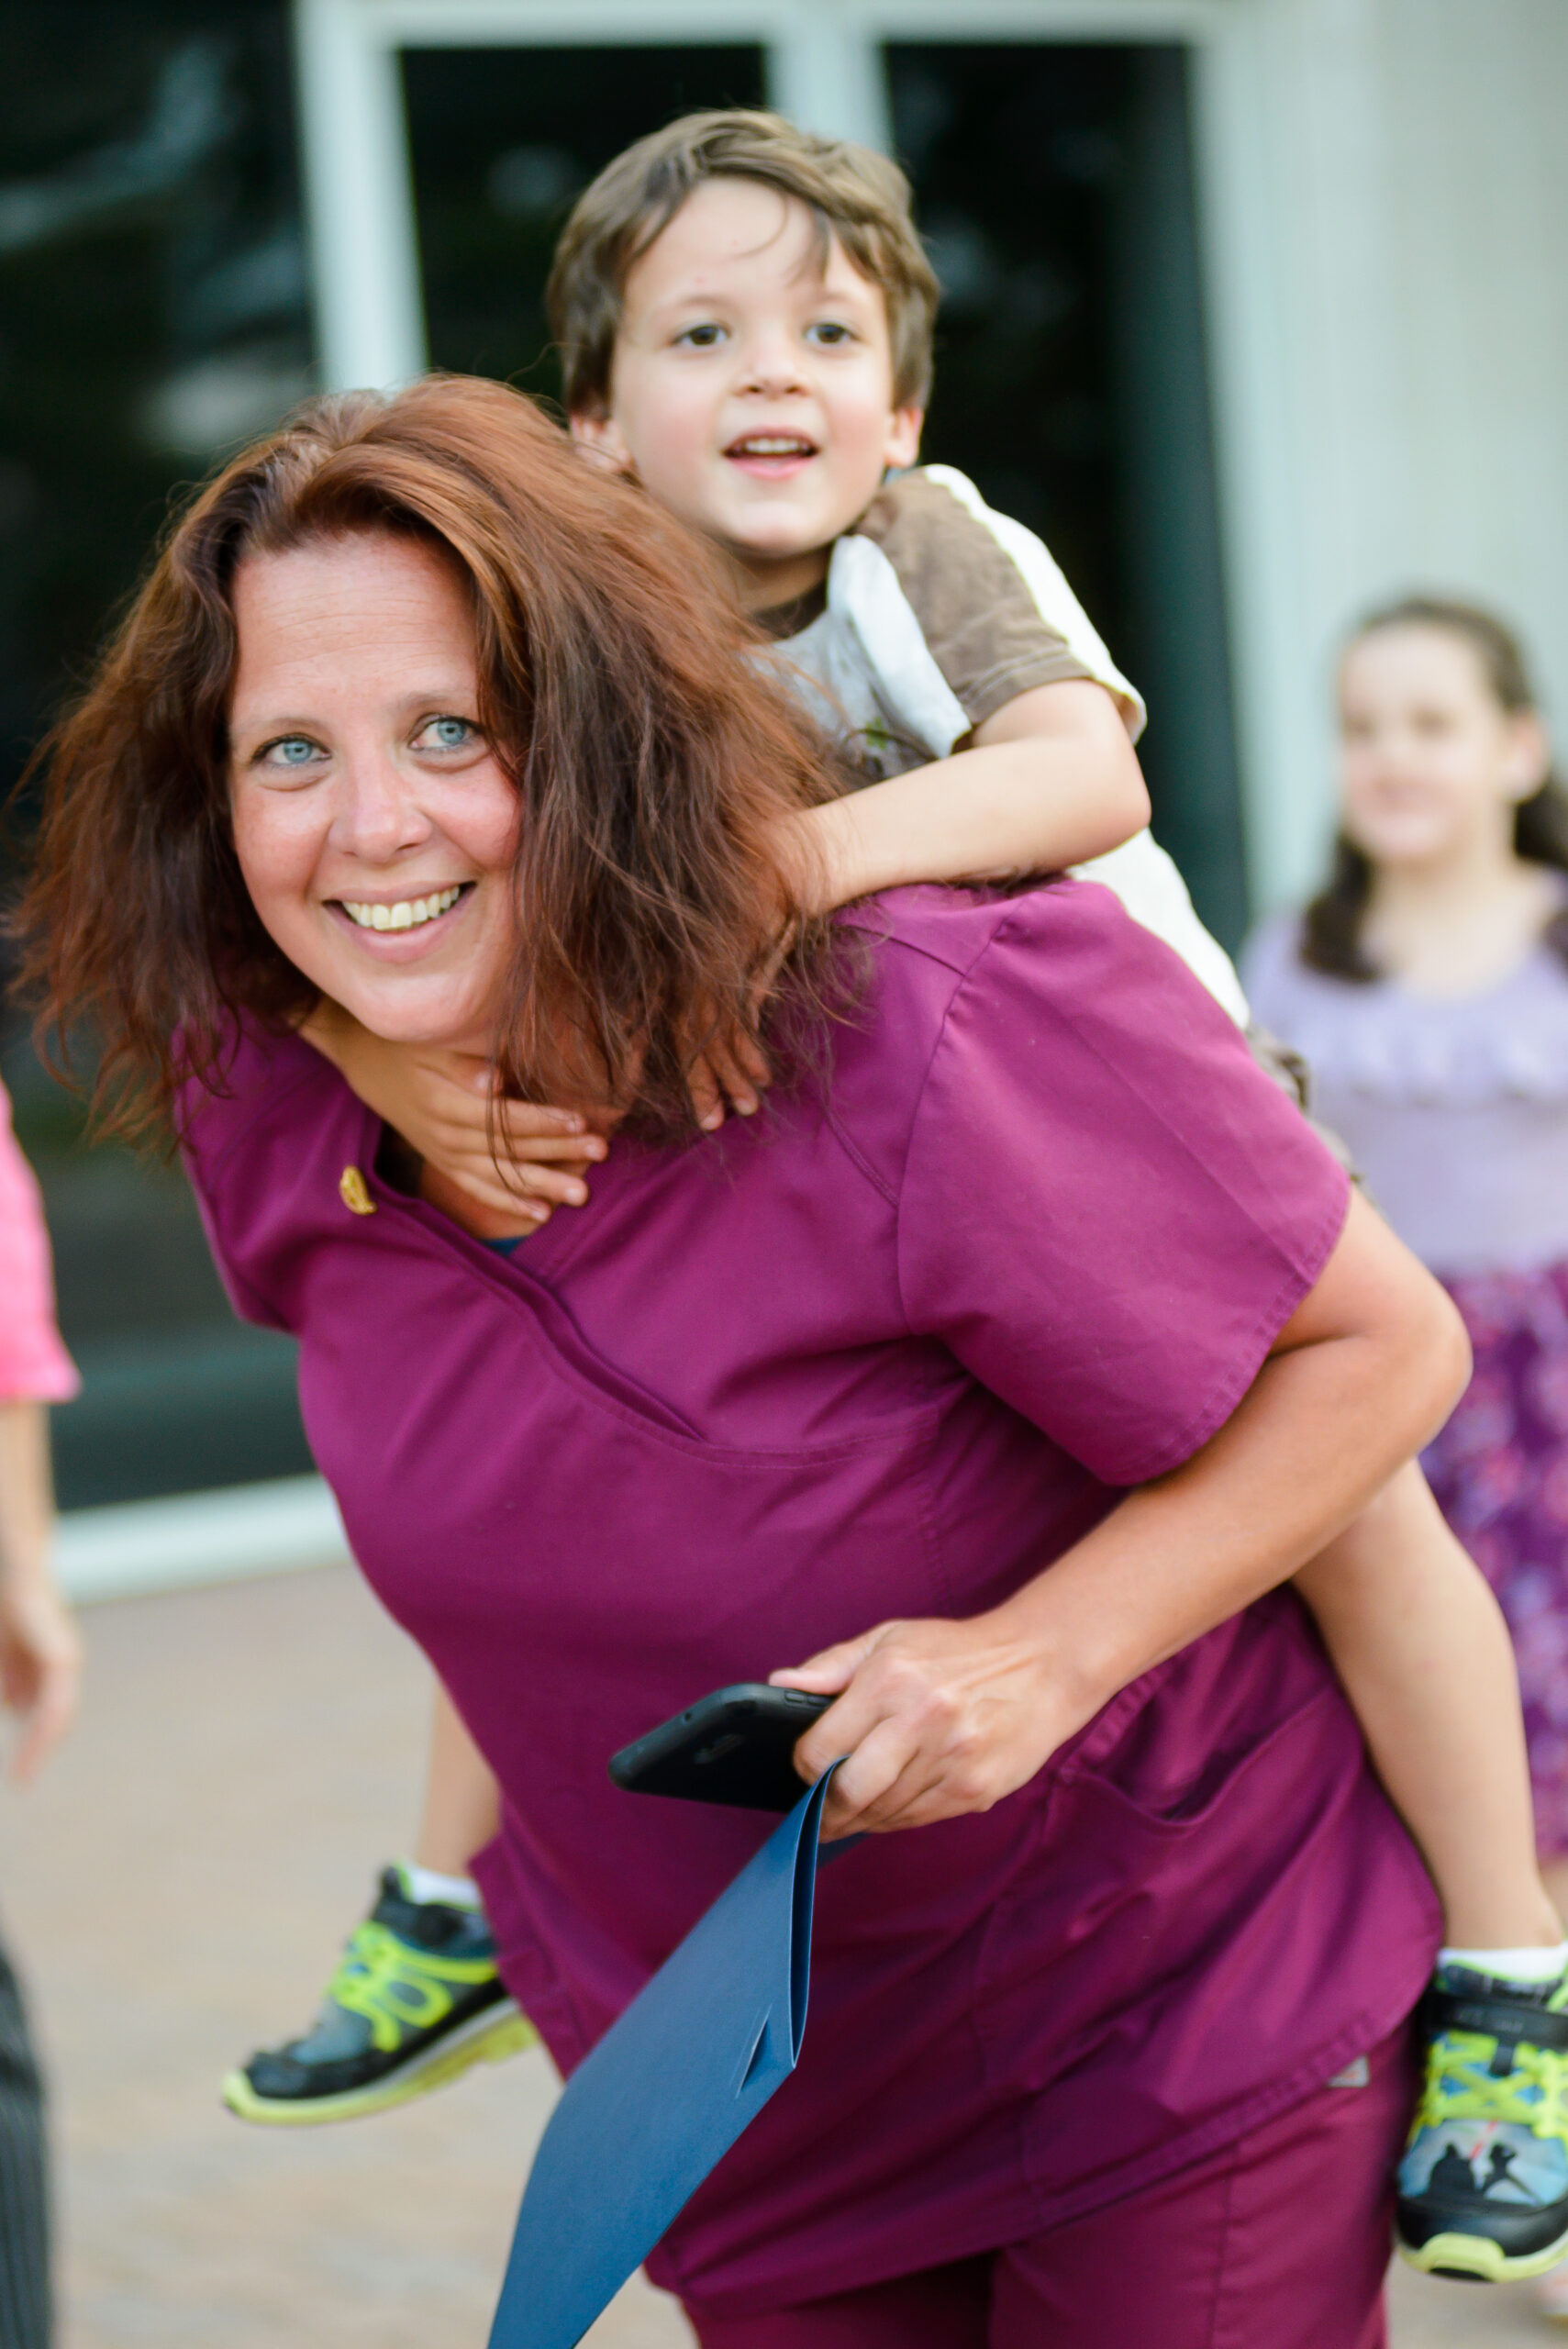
(822, 69)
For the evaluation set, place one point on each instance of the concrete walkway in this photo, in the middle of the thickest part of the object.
(176, 1891)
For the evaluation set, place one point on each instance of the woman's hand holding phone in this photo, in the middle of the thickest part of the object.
(934, 1718)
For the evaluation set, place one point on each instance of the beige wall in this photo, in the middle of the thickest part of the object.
(1416, 154)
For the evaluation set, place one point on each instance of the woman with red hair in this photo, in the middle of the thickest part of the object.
(1003, 1371)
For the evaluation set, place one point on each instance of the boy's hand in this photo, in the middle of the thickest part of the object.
(737, 1073)
(441, 1102)
(41, 1667)
(443, 1109)
(732, 1074)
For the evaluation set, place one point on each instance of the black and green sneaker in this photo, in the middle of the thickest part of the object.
(416, 2000)
(1484, 2185)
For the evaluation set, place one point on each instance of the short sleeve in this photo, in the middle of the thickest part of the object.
(996, 615)
(1107, 1212)
(34, 1364)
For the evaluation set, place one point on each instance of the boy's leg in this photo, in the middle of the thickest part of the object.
(417, 1999)
(25, 2315)
(1281, 2239)
(462, 1805)
(1424, 1655)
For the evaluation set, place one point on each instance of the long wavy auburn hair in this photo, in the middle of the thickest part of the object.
(618, 686)
(1332, 932)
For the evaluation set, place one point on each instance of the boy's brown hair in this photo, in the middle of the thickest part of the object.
(852, 194)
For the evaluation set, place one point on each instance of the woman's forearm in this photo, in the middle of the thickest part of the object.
(1323, 1428)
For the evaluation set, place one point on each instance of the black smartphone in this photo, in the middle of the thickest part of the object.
(735, 1747)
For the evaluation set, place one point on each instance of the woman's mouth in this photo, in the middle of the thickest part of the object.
(772, 456)
(401, 913)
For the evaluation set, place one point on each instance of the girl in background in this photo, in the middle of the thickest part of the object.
(39, 1662)
(1427, 988)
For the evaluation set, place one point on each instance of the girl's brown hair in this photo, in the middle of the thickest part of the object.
(1333, 923)
(652, 757)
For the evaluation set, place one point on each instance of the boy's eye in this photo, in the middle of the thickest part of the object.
(446, 734)
(829, 333)
(706, 336)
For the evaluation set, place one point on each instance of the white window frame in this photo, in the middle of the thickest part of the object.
(822, 68)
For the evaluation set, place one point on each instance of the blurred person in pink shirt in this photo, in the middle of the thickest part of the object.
(39, 1666)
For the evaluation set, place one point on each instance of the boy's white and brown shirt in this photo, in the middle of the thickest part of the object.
(935, 614)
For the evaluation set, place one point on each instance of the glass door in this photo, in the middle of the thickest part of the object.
(536, 125)
(1054, 186)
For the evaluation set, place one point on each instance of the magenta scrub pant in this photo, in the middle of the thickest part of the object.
(1281, 2238)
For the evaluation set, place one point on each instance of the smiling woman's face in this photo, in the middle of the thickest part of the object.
(373, 824)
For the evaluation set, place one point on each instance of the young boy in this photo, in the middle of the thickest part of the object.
(745, 316)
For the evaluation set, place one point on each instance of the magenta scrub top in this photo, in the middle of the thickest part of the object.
(884, 1350)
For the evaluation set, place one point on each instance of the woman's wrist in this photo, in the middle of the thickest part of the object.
(1079, 1667)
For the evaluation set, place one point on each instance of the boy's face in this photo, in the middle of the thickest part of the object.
(751, 391)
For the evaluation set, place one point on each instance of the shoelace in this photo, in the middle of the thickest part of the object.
(398, 1989)
(1461, 2086)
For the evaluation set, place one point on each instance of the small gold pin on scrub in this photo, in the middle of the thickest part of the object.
(353, 1192)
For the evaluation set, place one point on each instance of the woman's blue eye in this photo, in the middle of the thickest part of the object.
(450, 733)
(293, 751)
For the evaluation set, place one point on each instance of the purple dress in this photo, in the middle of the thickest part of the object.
(886, 1351)
(1457, 1114)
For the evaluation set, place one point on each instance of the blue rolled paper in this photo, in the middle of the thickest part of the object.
(665, 2094)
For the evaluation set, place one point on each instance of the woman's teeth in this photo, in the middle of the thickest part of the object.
(407, 914)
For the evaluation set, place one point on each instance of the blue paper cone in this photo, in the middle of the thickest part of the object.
(665, 2094)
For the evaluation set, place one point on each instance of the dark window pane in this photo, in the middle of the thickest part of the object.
(503, 141)
(152, 315)
(1053, 182)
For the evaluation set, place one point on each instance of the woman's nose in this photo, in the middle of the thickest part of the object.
(377, 813)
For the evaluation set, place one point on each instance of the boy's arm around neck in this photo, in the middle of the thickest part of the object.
(1050, 780)
(445, 1105)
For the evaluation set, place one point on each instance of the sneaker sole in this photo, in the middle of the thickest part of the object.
(1476, 2259)
(489, 2038)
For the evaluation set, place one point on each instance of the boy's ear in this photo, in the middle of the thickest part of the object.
(903, 428)
(597, 431)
